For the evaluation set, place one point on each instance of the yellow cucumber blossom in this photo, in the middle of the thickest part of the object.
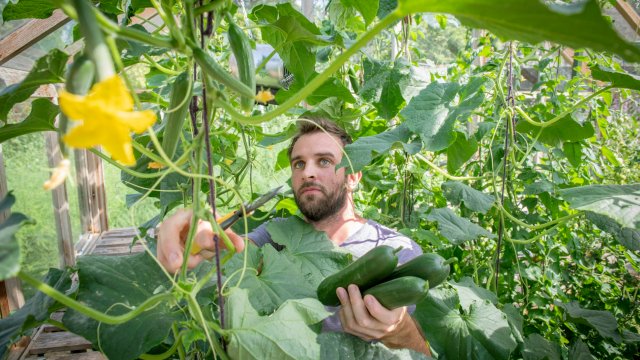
(58, 175)
(107, 119)
(264, 96)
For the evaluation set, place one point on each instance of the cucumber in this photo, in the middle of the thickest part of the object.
(177, 113)
(243, 53)
(430, 267)
(403, 291)
(217, 73)
(79, 80)
(365, 272)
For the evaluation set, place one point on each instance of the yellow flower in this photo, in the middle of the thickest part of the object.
(264, 96)
(154, 165)
(107, 119)
(58, 175)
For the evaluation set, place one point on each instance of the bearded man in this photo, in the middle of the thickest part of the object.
(324, 196)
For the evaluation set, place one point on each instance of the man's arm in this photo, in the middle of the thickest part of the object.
(369, 320)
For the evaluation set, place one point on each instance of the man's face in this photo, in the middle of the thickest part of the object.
(319, 190)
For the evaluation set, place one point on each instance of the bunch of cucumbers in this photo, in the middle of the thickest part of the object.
(376, 273)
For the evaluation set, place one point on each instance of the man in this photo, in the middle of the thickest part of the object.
(325, 198)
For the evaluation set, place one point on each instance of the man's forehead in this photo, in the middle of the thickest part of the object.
(317, 144)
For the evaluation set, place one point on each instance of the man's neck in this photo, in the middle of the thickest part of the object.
(339, 226)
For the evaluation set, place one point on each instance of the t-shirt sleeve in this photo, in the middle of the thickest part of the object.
(259, 235)
(408, 253)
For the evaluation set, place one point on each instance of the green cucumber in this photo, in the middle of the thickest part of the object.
(430, 267)
(79, 80)
(365, 272)
(217, 73)
(177, 113)
(239, 42)
(403, 291)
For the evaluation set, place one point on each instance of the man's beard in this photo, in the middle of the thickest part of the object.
(321, 207)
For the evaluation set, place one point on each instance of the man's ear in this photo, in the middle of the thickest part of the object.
(353, 180)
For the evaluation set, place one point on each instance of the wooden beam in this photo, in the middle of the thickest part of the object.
(629, 14)
(29, 34)
(91, 193)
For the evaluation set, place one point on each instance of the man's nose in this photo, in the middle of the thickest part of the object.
(309, 172)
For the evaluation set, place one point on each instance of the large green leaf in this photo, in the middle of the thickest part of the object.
(538, 348)
(619, 202)
(49, 69)
(566, 129)
(363, 150)
(294, 37)
(476, 200)
(41, 118)
(573, 152)
(479, 331)
(309, 249)
(616, 78)
(368, 9)
(28, 9)
(580, 351)
(10, 254)
(602, 321)
(342, 346)
(114, 285)
(433, 112)
(285, 334)
(455, 228)
(34, 312)
(387, 88)
(578, 24)
(626, 236)
(460, 151)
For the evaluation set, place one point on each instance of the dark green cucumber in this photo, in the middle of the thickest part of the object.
(217, 73)
(403, 291)
(239, 42)
(177, 113)
(430, 267)
(79, 80)
(365, 272)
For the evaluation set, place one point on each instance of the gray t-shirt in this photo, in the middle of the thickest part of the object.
(370, 235)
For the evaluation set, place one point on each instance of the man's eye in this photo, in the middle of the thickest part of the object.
(325, 162)
(298, 165)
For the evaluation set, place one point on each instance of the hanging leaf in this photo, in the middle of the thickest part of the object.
(330, 88)
(114, 285)
(368, 9)
(433, 112)
(41, 118)
(28, 9)
(619, 202)
(458, 193)
(628, 237)
(455, 228)
(277, 336)
(566, 129)
(573, 152)
(602, 321)
(460, 152)
(616, 78)
(10, 254)
(362, 151)
(479, 331)
(538, 348)
(577, 25)
(49, 69)
(580, 351)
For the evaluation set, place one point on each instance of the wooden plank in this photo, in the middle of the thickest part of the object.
(92, 199)
(88, 355)
(115, 241)
(57, 341)
(66, 251)
(117, 250)
(629, 14)
(29, 34)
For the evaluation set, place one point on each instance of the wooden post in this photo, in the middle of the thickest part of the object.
(11, 297)
(66, 250)
(91, 194)
(629, 14)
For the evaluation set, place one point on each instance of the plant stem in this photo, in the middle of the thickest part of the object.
(444, 173)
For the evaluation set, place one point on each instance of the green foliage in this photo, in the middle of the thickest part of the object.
(9, 248)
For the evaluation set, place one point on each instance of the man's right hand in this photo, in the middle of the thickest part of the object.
(172, 235)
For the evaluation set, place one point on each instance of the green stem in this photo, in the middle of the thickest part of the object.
(532, 240)
(540, 226)
(160, 67)
(444, 173)
(165, 354)
(95, 46)
(213, 5)
(92, 313)
(316, 82)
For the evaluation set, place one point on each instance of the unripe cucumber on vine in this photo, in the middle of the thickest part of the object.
(429, 267)
(217, 73)
(177, 112)
(241, 48)
(78, 82)
(366, 271)
(403, 291)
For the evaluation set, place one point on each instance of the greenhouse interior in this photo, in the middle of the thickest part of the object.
(319, 179)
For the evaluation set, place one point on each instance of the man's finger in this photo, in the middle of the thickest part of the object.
(382, 314)
(170, 245)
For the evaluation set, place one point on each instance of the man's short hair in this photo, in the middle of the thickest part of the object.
(310, 126)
